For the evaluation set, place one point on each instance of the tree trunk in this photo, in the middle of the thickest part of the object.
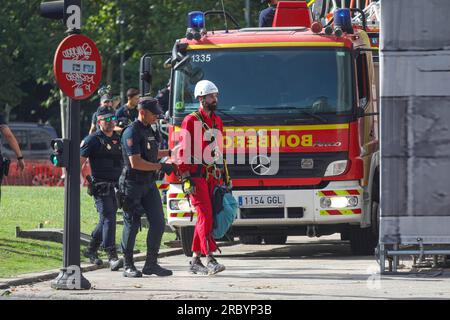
(8, 109)
(109, 72)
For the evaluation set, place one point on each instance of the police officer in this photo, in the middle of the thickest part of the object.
(104, 151)
(137, 185)
(6, 133)
(267, 15)
(163, 97)
(128, 112)
(105, 101)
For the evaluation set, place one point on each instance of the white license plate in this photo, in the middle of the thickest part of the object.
(261, 201)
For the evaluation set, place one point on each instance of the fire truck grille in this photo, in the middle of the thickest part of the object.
(291, 165)
(262, 213)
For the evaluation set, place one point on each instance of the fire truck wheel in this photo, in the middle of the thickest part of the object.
(250, 239)
(186, 235)
(362, 241)
(279, 239)
(375, 223)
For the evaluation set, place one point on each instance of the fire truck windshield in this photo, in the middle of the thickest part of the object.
(312, 84)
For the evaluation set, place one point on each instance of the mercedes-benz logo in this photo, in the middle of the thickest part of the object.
(261, 165)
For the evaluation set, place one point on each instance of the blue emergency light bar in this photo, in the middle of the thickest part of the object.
(196, 20)
(343, 20)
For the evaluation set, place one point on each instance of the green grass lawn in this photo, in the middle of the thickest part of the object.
(27, 207)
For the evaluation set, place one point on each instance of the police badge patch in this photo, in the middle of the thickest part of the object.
(130, 142)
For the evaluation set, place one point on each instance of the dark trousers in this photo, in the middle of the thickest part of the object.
(106, 228)
(143, 199)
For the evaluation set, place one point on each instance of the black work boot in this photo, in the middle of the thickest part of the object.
(130, 270)
(91, 252)
(197, 267)
(152, 267)
(114, 262)
(213, 266)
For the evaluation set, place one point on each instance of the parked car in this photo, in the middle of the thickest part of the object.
(34, 140)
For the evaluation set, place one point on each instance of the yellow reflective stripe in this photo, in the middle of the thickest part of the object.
(286, 128)
(346, 212)
(179, 196)
(264, 45)
(294, 128)
(339, 193)
(181, 215)
(341, 212)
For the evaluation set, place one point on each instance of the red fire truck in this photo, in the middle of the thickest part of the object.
(308, 95)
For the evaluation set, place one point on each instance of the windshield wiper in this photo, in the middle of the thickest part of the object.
(301, 111)
(315, 116)
(232, 117)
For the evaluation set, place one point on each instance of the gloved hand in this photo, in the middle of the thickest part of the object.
(168, 168)
(188, 186)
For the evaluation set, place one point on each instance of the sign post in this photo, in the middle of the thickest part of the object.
(77, 69)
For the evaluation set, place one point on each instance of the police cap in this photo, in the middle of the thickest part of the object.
(150, 104)
(106, 97)
(104, 112)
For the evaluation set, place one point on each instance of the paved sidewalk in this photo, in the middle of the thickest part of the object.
(30, 278)
(302, 269)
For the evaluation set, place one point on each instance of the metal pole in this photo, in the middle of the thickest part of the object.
(122, 64)
(121, 22)
(70, 276)
(72, 200)
(247, 13)
(395, 258)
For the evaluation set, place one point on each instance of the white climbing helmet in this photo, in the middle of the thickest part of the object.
(205, 87)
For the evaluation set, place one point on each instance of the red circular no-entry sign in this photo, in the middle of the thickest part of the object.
(77, 67)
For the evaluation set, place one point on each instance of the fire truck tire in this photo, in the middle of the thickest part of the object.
(250, 239)
(279, 239)
(362, 241)
(186, 235)
(375, 223)
(345, 235)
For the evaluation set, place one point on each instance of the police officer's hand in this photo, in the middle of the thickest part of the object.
(188, 186)
(20, 165)
(168, 168)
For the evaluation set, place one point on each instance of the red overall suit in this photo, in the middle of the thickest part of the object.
(190, 138)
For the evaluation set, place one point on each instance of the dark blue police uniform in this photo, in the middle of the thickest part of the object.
(266, 17)
(105, 158)
(126, 116)
(141, 196)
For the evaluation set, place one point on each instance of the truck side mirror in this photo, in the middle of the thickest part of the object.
(145, 84)
(360, 113)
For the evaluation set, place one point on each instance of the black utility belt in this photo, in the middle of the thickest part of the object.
(4, 166)
(105, 183)
(141, 177)
(101, 188)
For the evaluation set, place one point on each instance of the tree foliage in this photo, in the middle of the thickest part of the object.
(28, 43)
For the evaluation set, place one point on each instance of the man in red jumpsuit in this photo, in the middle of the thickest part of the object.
(198, 152)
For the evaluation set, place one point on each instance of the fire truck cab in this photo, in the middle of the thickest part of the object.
(299, 102)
